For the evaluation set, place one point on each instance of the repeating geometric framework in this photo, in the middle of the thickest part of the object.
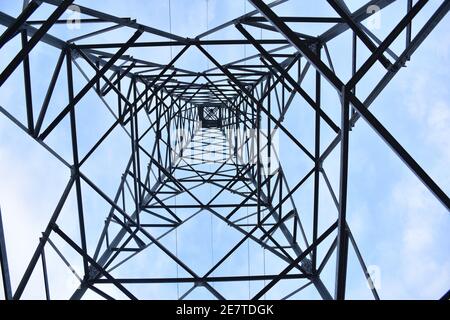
(192, 131)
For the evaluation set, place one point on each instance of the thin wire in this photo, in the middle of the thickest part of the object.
(176, 251)
(176, 254)
(260, 36)
(264, 266)
(248, 227)
(264, 249)
(212, 237)
(245, 47)
(176, 228)
(248, 256)
(170, 28)
(211, 216)
(207, 29)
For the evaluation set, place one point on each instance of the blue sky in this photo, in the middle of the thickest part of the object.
(399, 226)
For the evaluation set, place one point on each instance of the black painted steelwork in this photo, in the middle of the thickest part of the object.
(210, 128)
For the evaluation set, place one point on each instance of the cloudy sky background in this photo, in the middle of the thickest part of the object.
(399, 226)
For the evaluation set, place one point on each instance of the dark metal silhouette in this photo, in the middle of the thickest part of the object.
(211, 128)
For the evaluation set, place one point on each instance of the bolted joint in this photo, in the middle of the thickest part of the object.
(73, 171)
(319, 164)
(306, 264)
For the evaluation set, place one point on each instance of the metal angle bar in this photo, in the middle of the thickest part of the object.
(90, 84)
(119, 96)
(363, 266)
(296, 291)
(105, 256)
(295, 262)
(154, 94)
(409, 27)
(236, 246)
(49, 93)
(279, 247)
(121, 21)
(121, 74)
(44, 271)
(116, 199)
(160, 216)
(184, 295)
(359, 106)
(46, 234)
(99, 292)
(271, 51)
(119, 250)
(446, 296)
(25, 129)
(286, 75)
(195, 206)
(170, 176)
(358, 16)
(401, 152)
(299, 19)
(4, 263)
(231, 22)
(7, 20)
(163, 248)
(82, 20)
(153, 194)
(132, 233)
(202, 280)
(418, 39)
(438, 15)
(241, 172)
(317, 132)
(21, 19)
(118, 120)
(327, 256)
(378, 41)
(304, 37)
(167, 109)
(260, 106)
(342, 243)
(83, 253)
(387, 42)
(149, 244)
(135, 155)
(286, 217)
(269, 115)
(76, 165)
(362, 36)
(278, 77)
(27, 84)
(330, 189)
(317, 282)
(118, 73)
(300, 46)
(64, 260)
(94, 33)
(33, 41)
(151, 44)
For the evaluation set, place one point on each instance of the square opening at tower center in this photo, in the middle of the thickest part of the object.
(211, 115)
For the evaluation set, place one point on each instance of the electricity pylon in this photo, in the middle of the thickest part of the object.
(204, 159)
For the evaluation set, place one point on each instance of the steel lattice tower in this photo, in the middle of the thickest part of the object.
(202, 149)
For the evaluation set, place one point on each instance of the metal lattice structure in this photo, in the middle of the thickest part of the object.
(191, 132)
